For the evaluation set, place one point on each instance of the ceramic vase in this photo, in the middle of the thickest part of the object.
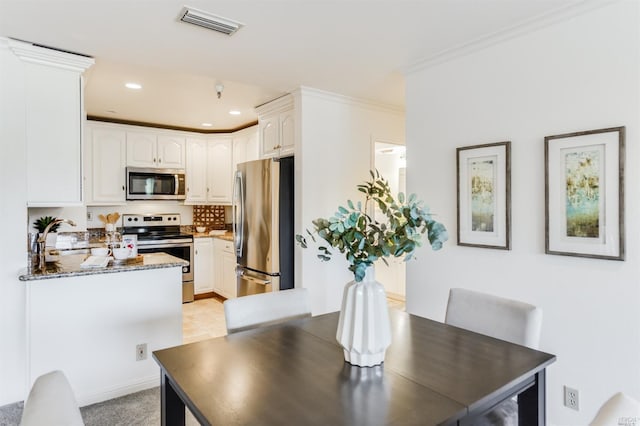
(364, 329)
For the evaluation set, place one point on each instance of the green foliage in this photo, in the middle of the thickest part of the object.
(363, 240)
(41, 224)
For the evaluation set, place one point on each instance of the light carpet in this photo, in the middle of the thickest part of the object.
(136, 409)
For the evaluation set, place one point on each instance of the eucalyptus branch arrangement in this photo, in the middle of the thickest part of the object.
(363, 239)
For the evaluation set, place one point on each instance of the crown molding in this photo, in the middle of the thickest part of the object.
(348, 100)
(525, 27)
(30, 52)
(97, 118)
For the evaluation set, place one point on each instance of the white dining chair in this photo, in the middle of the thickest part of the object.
(620, 409)
(506, 319)
(262, 309)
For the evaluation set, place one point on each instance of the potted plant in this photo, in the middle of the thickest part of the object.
(355, 232)
(41, 224)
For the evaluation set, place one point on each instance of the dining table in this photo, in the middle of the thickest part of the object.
(294, 373)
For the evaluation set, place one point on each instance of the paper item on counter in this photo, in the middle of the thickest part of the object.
(217, 232)
(95, 262)
(130, 241)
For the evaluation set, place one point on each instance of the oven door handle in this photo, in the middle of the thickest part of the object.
(166, 244)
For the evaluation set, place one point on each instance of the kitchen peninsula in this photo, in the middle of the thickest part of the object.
(98, 325)
(70, 266)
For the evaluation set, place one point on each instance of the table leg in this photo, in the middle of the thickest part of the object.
(531, 403)
(171, 406)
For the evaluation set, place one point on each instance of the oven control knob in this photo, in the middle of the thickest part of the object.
(129, 219)
(185, 269)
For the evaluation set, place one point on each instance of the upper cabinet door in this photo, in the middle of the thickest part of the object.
(277, 129)
(108, 160)
(53, 130)
(171, 152)
(196, 171)
(287, 133)
(269, 136)
(141, 150)
(220, 176)
(49, 95)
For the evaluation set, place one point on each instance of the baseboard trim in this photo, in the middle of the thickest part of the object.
(115, 392)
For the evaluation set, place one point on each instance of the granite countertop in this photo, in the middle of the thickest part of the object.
(69, 266)
(227, 236)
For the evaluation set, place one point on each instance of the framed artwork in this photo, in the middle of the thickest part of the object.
(584, 194)
(484, 195)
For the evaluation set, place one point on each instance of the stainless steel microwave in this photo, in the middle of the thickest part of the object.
(155, 184)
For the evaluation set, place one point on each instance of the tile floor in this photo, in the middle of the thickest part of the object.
(204, 318)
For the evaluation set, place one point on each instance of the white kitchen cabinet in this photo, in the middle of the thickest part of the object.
(171, 152)
(54, 113)
(155, 151)
(196, 171)
(245, 146)
(105, 166)
(209, 170)
(225, 282)
(203, 265)
(276, 121)
(229, 277)
(219, 173)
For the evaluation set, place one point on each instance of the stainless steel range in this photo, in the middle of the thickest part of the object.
(161, 233)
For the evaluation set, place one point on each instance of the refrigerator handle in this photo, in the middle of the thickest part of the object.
(238, 214)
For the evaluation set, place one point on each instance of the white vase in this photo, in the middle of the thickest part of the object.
(364, 329)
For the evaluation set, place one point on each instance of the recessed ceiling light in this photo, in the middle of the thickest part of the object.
(234, 112)
(134, 86)
(206, 124)
(111, 111)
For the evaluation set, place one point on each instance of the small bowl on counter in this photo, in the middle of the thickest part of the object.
(121, 253)
(201, 229)
(100, 251)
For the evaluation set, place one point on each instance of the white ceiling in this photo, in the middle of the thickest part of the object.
(356, 48)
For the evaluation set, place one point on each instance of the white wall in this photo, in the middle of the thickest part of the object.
(579, 74)
(13, 216)
(333, 153)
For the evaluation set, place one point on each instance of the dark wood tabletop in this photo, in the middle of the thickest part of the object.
(294, 373)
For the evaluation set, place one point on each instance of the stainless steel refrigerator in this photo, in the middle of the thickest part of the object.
(263, 225)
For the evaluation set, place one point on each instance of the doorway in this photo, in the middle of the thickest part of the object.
(390, 160)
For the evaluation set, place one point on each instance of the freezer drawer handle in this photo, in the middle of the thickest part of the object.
(256, 280)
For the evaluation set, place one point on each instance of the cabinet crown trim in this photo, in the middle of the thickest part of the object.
(283, 103)
(48, 56)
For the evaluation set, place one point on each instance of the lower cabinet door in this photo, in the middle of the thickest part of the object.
(203, 265)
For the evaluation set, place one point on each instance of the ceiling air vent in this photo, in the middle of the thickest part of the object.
(207, 20)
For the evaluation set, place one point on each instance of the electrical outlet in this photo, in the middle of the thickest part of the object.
(571, 398)
(89, 216)
(141, 352)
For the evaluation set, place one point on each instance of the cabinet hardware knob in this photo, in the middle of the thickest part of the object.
(123, 187)
(159, 160)
(154, 160)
